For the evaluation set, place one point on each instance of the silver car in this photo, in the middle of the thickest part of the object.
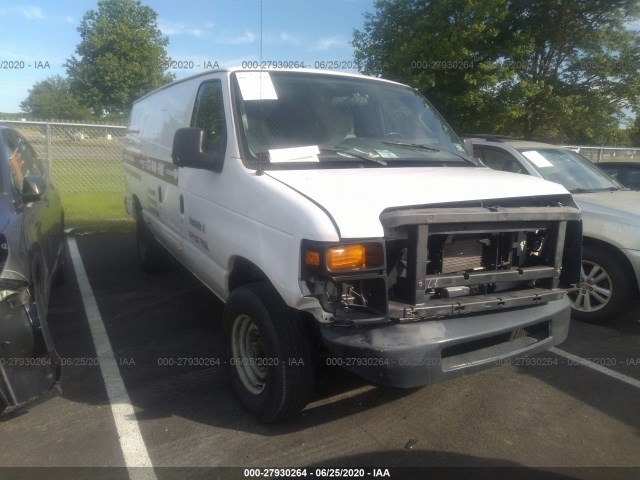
(610, 215)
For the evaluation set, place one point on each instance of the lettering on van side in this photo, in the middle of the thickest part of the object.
(197, 224)
(132, 173)
(202, 243)
(158, 168)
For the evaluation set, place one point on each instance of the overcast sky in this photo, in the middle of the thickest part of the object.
(39, 35)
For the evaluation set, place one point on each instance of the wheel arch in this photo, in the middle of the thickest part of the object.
(136, 207)
(35, 253)
(37, 271)
(619, 256)
(244, 271)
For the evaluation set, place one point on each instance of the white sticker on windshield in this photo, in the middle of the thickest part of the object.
(296, 154)
(256, 86)
(537, 159)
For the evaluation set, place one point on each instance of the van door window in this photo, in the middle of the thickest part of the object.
(208, 114)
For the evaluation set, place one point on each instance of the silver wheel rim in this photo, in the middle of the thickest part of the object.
(594, 290)
(248, 349)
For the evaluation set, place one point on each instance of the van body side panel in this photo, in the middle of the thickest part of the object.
(241, 214)
(148, 150)
(227, 215)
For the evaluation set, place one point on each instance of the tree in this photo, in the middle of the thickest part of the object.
(51, 99)
(634, 133)
(448, 49)
(534, 68)
(576, 65)
(121, 56)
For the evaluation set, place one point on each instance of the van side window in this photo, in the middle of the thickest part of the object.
(208, 113)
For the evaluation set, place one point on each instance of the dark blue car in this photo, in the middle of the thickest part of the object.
(31, 256)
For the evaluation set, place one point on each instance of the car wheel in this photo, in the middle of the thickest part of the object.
(269, 353)
(150, 253)
(36, 305)
(61, 274)
(603, 289)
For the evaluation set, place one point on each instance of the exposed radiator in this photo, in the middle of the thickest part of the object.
(461, 255)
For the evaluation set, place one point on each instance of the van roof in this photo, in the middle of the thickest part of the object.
(238, 69)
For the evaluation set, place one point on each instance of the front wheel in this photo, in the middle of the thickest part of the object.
(269, 353)
(603, 290)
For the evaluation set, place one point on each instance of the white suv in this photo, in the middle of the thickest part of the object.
(339, 212)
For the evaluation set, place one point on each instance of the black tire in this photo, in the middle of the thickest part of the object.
(61, 273)
(37, 306)
(151, 256)
(604, 287)
(269, 351)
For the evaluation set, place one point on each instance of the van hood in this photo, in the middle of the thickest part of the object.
(355, 198)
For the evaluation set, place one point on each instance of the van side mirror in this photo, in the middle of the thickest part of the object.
(188, 150)
(33, 187)
(468, 146)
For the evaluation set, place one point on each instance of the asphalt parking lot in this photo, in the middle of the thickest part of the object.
(551, 415)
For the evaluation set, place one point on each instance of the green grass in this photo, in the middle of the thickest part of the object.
(92, 192)
(94, 209)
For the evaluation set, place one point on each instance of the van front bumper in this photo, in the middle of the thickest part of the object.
(415, 354)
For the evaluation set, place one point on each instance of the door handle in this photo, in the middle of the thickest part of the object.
(181, 203)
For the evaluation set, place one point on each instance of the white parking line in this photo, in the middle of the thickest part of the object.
(133, 447)
(599, 368)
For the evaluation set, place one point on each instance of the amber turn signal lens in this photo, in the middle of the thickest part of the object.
(346, 257)
(312, 258)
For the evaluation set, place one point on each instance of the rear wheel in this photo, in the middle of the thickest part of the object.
(603, 290)
(269, 353)
(150, 253)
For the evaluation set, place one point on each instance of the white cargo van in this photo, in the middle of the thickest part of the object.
(338, 214)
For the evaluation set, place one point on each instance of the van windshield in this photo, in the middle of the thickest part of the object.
(291, 119)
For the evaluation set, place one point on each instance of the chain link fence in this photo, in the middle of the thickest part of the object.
(607, 154)
(85, 164)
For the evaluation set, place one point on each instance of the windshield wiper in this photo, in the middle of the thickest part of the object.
(348, 153)
(594, 190)
(582, 190)
(344, 153)
(422, 146)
